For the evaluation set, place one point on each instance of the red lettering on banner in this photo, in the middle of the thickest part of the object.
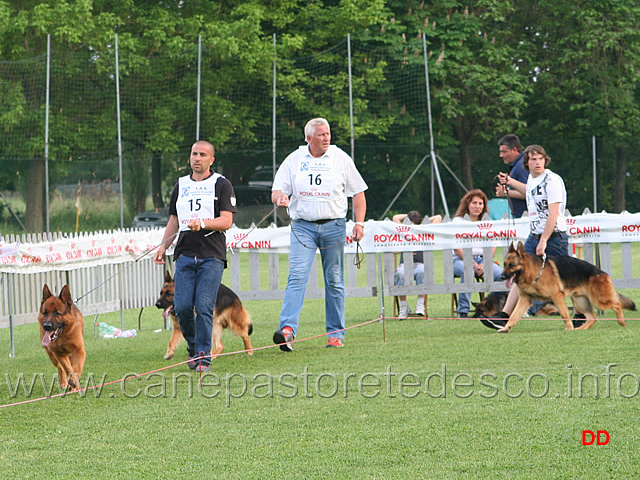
(501, 234)
(584, 230)
(31, 259)
(630, 228)
(73, 254)
(53, 258)
(258, 244)
(250, 245)
(469, 235)
(387, 238)
(94, 252)
(9, 260)
(420, 237)
(114, 250)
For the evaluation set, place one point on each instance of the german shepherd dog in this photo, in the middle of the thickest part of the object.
(61, 335)
(228, 313)
(557, 278)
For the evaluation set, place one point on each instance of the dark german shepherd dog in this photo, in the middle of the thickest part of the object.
(557, 278)
(228, 312)
(494, 302)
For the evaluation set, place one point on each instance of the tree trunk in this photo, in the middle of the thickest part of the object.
(34, 215)
(156, 181)
(621, 178)
(465, 166)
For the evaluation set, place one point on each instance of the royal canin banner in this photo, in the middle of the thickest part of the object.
(379, 236)
(79, 251)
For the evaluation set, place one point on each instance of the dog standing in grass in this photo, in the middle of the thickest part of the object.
(61, 335)
(228, 313)
(557, 278)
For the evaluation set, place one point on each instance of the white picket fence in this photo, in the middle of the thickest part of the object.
(118, 287)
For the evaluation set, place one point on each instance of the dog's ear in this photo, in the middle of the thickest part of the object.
(521, 251)
(511, 248)
(476, 304)
(65, 295)
(46, 293)
(167, 277)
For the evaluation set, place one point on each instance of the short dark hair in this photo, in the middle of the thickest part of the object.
(511, 141)
(415, 217)
(206, 144)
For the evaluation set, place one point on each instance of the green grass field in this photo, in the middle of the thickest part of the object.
(437, 399)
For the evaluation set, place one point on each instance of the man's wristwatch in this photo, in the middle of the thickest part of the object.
(202, 224)
(360, 223)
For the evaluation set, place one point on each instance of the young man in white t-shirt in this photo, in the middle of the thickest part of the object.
(546, 202)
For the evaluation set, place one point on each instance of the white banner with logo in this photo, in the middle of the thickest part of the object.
(379, 236)
(388, 236)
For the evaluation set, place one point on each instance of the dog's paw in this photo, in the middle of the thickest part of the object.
(168, 356)
(504, 330)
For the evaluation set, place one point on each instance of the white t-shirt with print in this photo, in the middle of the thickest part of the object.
(542, 191)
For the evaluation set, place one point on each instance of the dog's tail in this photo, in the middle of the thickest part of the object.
(627, 303)
(250, 328)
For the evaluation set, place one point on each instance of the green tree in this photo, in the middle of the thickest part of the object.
(586, 72)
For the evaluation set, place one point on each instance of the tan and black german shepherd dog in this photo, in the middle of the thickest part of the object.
(228, 313)
(561, 277)
(61, 335)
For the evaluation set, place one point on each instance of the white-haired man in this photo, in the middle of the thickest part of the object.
(314, 182)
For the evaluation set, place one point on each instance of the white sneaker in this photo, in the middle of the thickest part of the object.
(404, 311)
(420, 310)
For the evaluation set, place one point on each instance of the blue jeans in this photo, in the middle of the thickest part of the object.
(305, 238)
(464, 299)
(556, 247)
(418, 274)
(197, 282)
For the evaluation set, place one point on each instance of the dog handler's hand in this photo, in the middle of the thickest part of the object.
(358, 231)
(159, 256)
(283, 201)
(501, 188)
(542, 246)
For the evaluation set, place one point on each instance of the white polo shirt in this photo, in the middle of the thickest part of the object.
(318, 187)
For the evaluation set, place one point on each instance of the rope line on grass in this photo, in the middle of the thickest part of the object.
(555, 319)
(140, 375)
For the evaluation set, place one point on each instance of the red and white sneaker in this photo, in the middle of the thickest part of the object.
(334, 342)
(284, 338)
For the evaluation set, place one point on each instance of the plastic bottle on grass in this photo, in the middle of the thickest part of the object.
(108, 331)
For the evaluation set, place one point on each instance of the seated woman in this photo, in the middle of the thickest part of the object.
(473, 204)
(418, 266)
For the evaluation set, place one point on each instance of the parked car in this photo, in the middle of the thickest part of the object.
(262, 176)
(254, 202)
(151, 218)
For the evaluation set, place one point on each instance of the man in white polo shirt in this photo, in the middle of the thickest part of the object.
(314, 182)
